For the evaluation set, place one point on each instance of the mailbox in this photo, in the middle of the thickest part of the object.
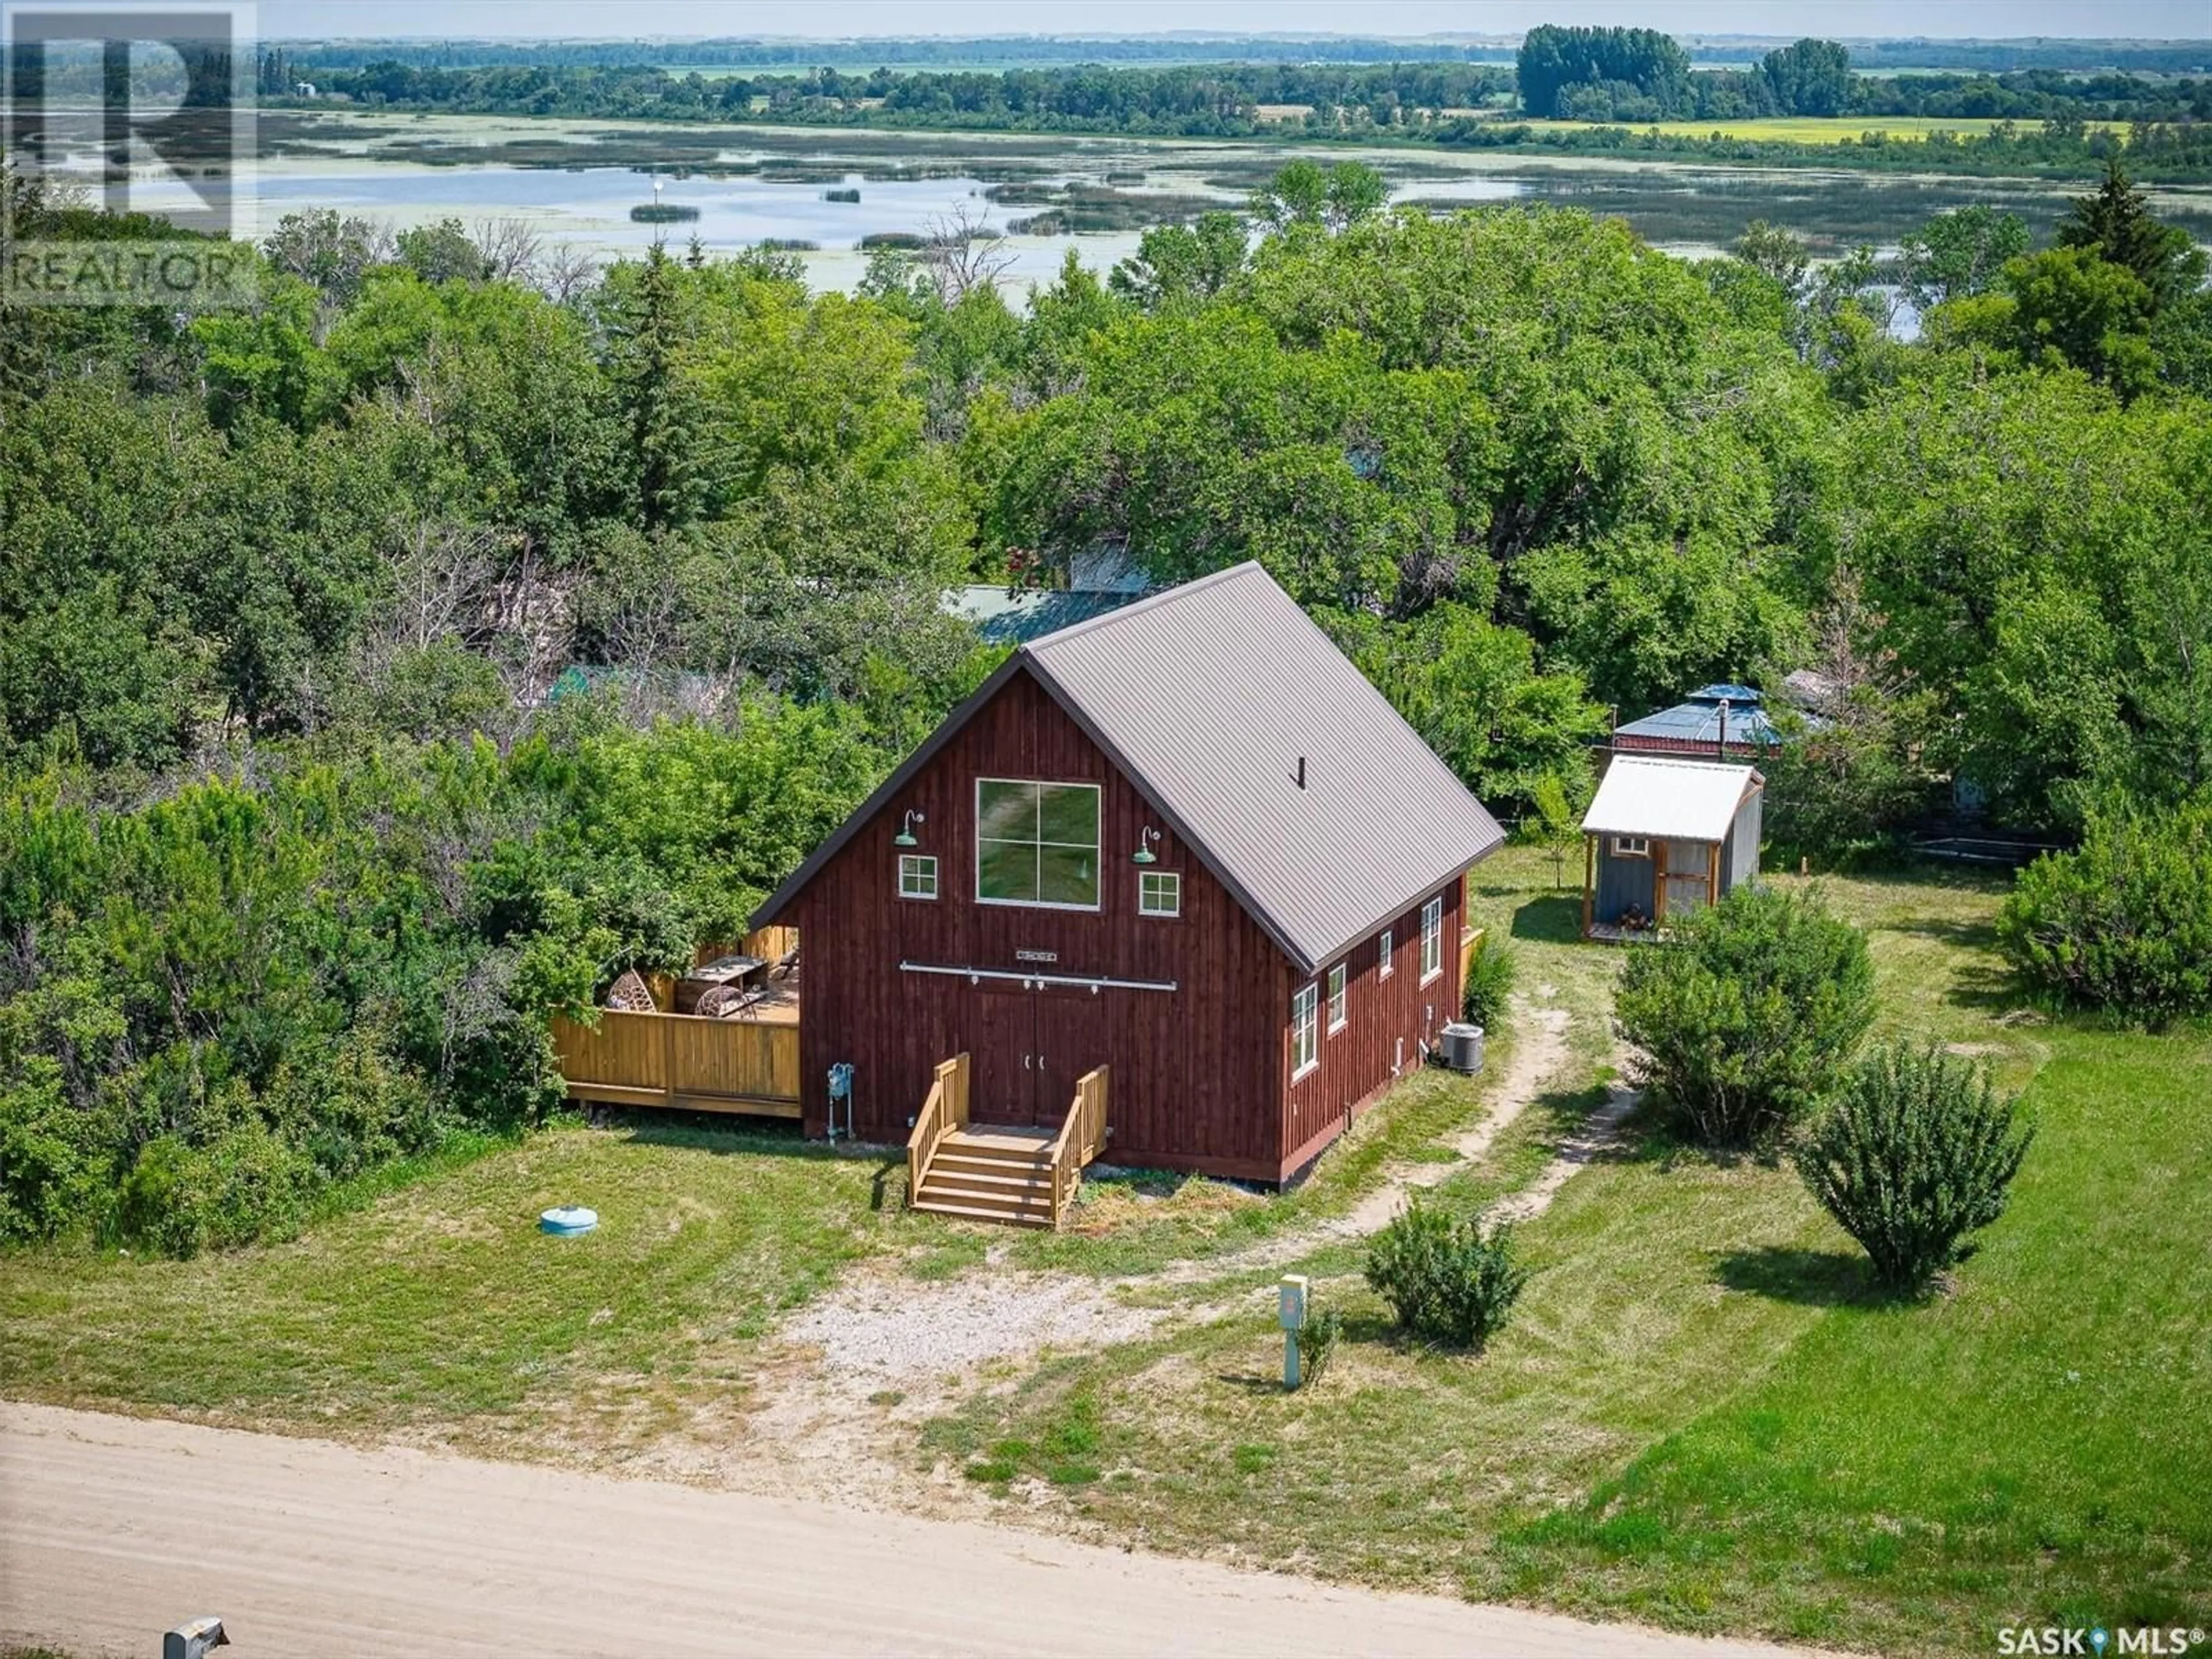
(193, 1638)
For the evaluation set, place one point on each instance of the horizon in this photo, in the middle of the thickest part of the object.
(1408, 20)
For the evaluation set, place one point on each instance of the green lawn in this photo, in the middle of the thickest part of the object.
(1701, 1417)
(442, 1308)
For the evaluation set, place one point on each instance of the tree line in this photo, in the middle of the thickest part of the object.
(1630, 76)
(392, 663)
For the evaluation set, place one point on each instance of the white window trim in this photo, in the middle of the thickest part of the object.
(1305, 1012)
(1340, 998)
(918, 860)
(1097, 848)
(1631, 846)
(1433, 938)
(1156, 914)
(1385, 948)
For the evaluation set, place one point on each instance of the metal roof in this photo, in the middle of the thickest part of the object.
(1668, 800)
(1210, 697)
(1697, 720)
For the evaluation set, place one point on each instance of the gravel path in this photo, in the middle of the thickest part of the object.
(1599, 1131)
(860, 1367)
(876, 1329)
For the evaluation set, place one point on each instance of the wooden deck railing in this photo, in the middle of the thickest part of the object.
(1081, 1139)
(681, 1060)
(944, 1110)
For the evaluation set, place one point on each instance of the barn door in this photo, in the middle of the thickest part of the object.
(1002, 1084)
(1070, 1040)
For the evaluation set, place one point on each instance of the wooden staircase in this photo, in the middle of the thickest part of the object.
(985, 1174)
(1017, 1176)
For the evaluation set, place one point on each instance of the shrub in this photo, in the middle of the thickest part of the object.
(1745, 1019)
(1918, 1152)
(49, 1173)
(248, 1184)
(1445, 1280)
(2125, 923)
(1317, 1340)
(1490, 974)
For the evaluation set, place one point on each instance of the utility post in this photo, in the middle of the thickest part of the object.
(1291, 1313)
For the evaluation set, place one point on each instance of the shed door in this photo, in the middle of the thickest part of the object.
(1689, 877)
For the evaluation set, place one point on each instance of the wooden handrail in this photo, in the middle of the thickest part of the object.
(944, 1110)
(1082, 1137)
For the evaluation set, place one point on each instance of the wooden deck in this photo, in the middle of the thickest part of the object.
(745, 1062)
(684, 1061)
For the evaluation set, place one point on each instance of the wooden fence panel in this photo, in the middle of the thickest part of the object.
(768, 944)
(627, 1049)
(735, 1058)
(678, 1059)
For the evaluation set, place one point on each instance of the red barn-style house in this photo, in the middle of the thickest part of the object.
(1182, 856)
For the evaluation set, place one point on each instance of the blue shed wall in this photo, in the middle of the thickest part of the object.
(1622, 882)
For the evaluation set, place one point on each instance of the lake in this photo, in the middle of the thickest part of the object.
(576, 182)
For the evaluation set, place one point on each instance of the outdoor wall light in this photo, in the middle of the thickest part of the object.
(905, 836)
(1144, 854)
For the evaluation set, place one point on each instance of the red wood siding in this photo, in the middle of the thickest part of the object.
(1364, 1059)
(1197, 1073)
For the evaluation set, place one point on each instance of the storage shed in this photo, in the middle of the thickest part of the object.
(1183, 847)
(1664, 837)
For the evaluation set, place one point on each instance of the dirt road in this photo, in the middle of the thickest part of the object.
(113, 1527)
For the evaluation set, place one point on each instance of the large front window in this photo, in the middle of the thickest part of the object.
(1036, 843)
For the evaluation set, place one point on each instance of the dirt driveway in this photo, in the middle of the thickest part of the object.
(113, 1527)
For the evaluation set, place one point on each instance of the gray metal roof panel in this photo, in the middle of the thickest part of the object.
(1208, 694)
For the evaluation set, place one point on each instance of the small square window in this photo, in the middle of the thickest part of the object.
(1159, 893)
(1631, 846)
(917, 876)
(1384, 952)
(1337, 1001)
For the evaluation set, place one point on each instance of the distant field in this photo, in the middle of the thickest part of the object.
(1818, 129)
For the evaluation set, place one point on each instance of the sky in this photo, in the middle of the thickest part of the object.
(830, 19)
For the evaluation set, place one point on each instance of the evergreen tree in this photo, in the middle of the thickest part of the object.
(667, 488)
(2116, 224)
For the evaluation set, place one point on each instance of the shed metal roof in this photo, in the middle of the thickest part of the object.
(1208, 696)
(1668, 800)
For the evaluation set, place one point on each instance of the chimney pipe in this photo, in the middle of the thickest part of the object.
(1724, 708)
(1302, 771)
